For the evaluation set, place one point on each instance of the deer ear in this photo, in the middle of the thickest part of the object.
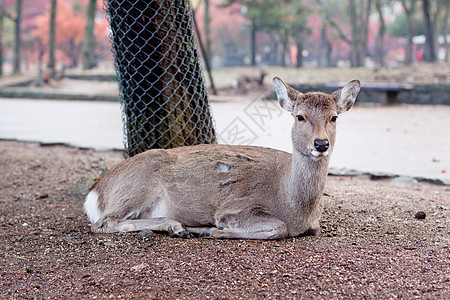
(286, 95)
(346, 97)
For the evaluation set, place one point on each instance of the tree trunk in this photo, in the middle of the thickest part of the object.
(299, 50)
(205, 57)
(74, 51)
(359, 19)
(365, 30)
(162, 88)
(207, 31)
(445, 30)
(51, 46)
(359, 29)
(380, 37)
(88, 56)
(322, 50)
(284, 44)
(18, 35)
(430, 53)
(273, 50)
(409, 11)
(254, 31)
(355, 35)
(1, 44)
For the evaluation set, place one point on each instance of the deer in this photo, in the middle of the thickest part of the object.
(228, 191)
(247, 81)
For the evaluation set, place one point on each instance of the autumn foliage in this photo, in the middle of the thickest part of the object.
(70, 27)
(71, 20)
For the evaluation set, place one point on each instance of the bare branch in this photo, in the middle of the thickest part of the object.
(339, 30)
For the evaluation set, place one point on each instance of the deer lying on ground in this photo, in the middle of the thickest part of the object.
(248, 81)
(222, 191)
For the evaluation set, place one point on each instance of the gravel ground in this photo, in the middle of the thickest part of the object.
(371, 244)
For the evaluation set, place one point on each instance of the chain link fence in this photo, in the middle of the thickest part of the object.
(162, 87)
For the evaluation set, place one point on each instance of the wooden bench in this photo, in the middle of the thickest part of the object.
(388, 91)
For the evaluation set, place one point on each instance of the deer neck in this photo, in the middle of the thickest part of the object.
(306, 179)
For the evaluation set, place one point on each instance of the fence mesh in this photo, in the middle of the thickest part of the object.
(162, 87)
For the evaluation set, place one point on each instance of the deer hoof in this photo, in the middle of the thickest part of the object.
(184, 234)
(312, 231)
(205, 233)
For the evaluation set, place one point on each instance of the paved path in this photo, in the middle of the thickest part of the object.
(79, 123)
(403, 140)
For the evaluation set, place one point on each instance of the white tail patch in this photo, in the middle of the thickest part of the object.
(91, 207)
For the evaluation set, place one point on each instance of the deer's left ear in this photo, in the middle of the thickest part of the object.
(346, 97)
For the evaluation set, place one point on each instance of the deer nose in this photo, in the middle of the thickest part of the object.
(321, 145)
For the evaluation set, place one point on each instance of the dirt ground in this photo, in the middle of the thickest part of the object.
(371, 246)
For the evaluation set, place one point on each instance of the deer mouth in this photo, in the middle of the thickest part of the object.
(316, 155)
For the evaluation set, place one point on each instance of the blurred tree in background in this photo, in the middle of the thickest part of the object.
(292, 33)
(51, 39)
(35, 33)
(88, 56)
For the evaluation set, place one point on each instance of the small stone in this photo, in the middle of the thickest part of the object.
(70, 239)
(140, 267)
(42, 196)
(420, 215)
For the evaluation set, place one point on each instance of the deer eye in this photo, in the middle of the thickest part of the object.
(301, 118)
(334, 119)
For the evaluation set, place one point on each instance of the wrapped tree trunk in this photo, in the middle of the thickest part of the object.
(163, 94)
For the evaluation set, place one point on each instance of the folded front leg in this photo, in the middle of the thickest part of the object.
(110, 225)
(247, 223)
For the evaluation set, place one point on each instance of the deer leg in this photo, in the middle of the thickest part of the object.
(110, 225)
(277, 231)
(247, 224)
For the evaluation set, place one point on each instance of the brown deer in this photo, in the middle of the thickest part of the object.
(224, 191)
(248, 81)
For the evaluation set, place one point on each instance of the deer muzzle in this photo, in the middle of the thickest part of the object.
(321, 145)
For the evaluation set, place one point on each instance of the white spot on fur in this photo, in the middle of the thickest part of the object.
(91, 207)
(221, 167)
(160, 210)
(316, 155)
(243, 158)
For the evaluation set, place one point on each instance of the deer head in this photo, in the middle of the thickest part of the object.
(315, 114)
